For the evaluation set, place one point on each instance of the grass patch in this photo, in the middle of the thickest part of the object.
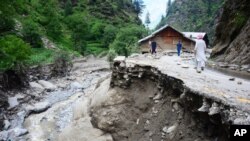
(41, 56)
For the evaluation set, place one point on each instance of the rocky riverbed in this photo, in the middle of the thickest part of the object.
(44, 110)
(145, 98)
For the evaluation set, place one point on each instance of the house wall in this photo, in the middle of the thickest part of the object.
(167, 40)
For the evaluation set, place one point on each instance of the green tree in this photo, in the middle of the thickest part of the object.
(80, 31)
(68, 8)
(169, 7)
(109, 34)
(138, 5)
(124, 43)
(7, 12)
(30, 32)
(13, 51)
(49, 9)
(147, 19)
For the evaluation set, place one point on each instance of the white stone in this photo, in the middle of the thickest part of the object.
(119, 59)
(171, 129)
(36, 85)
(185, 66)
(165, 129)
(20, 131)
(38, 107)
(6, 125)
(13, 102)
(76, 85)
(47, 85)
(158, 96)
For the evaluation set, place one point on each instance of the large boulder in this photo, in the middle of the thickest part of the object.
(37, 108)
(47, 85)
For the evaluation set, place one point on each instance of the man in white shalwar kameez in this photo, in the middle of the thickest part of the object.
(200, 56)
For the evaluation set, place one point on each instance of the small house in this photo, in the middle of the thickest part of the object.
(167, 37)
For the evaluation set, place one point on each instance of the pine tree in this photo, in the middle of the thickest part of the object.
(138, 4)
(169, 3)
(147, 19)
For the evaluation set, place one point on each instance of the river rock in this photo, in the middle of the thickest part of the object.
(171, 129)
(47, 85)
(223, 65)
(37, 108)
(244, 67)
(13, 102)
(165, 129)
(134, 55)
(19, 131)
(4, 135)
(120, 59)
(185, 66)
(36, 86)
(76, 85)
(6, 125)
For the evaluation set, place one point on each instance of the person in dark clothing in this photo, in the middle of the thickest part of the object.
(179, 47)
(153, 47)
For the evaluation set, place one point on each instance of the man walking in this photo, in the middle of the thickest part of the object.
(179, 46)
(199, 50)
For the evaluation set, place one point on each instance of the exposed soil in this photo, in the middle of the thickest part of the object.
(132, 115)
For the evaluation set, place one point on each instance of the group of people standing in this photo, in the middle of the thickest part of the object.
(199, 51)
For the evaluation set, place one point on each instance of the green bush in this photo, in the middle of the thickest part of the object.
(41, 56)
(124, 43)
(13, 51)
(111, 55)
(31, 34)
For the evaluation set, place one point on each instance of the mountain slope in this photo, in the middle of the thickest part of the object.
(232, 42)
(72, 26)
(193, 15)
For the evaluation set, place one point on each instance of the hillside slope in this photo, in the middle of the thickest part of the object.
(232, 42)
(38, 32)
(193, 16)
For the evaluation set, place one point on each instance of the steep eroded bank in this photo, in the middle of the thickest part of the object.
(145, 104)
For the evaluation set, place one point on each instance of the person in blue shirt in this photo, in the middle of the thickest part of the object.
(179, 47)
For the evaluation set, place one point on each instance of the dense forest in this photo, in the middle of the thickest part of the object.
(37, 32)
(193, 15)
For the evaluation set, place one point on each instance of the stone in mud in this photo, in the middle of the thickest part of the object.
(239, 82)
(134, 55)
(171, 129)
(223, 65)
(19, 131)
(13, 102)
(165, 129)
(120, 59)
(4, 135)
(6, 125)
(76, 85)
(158, 96)
(35, 85)
(205, 106)
(232, 79)
(47, 85)
(242, 121)
(185, 66)
(37, 108)
(214, 109)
